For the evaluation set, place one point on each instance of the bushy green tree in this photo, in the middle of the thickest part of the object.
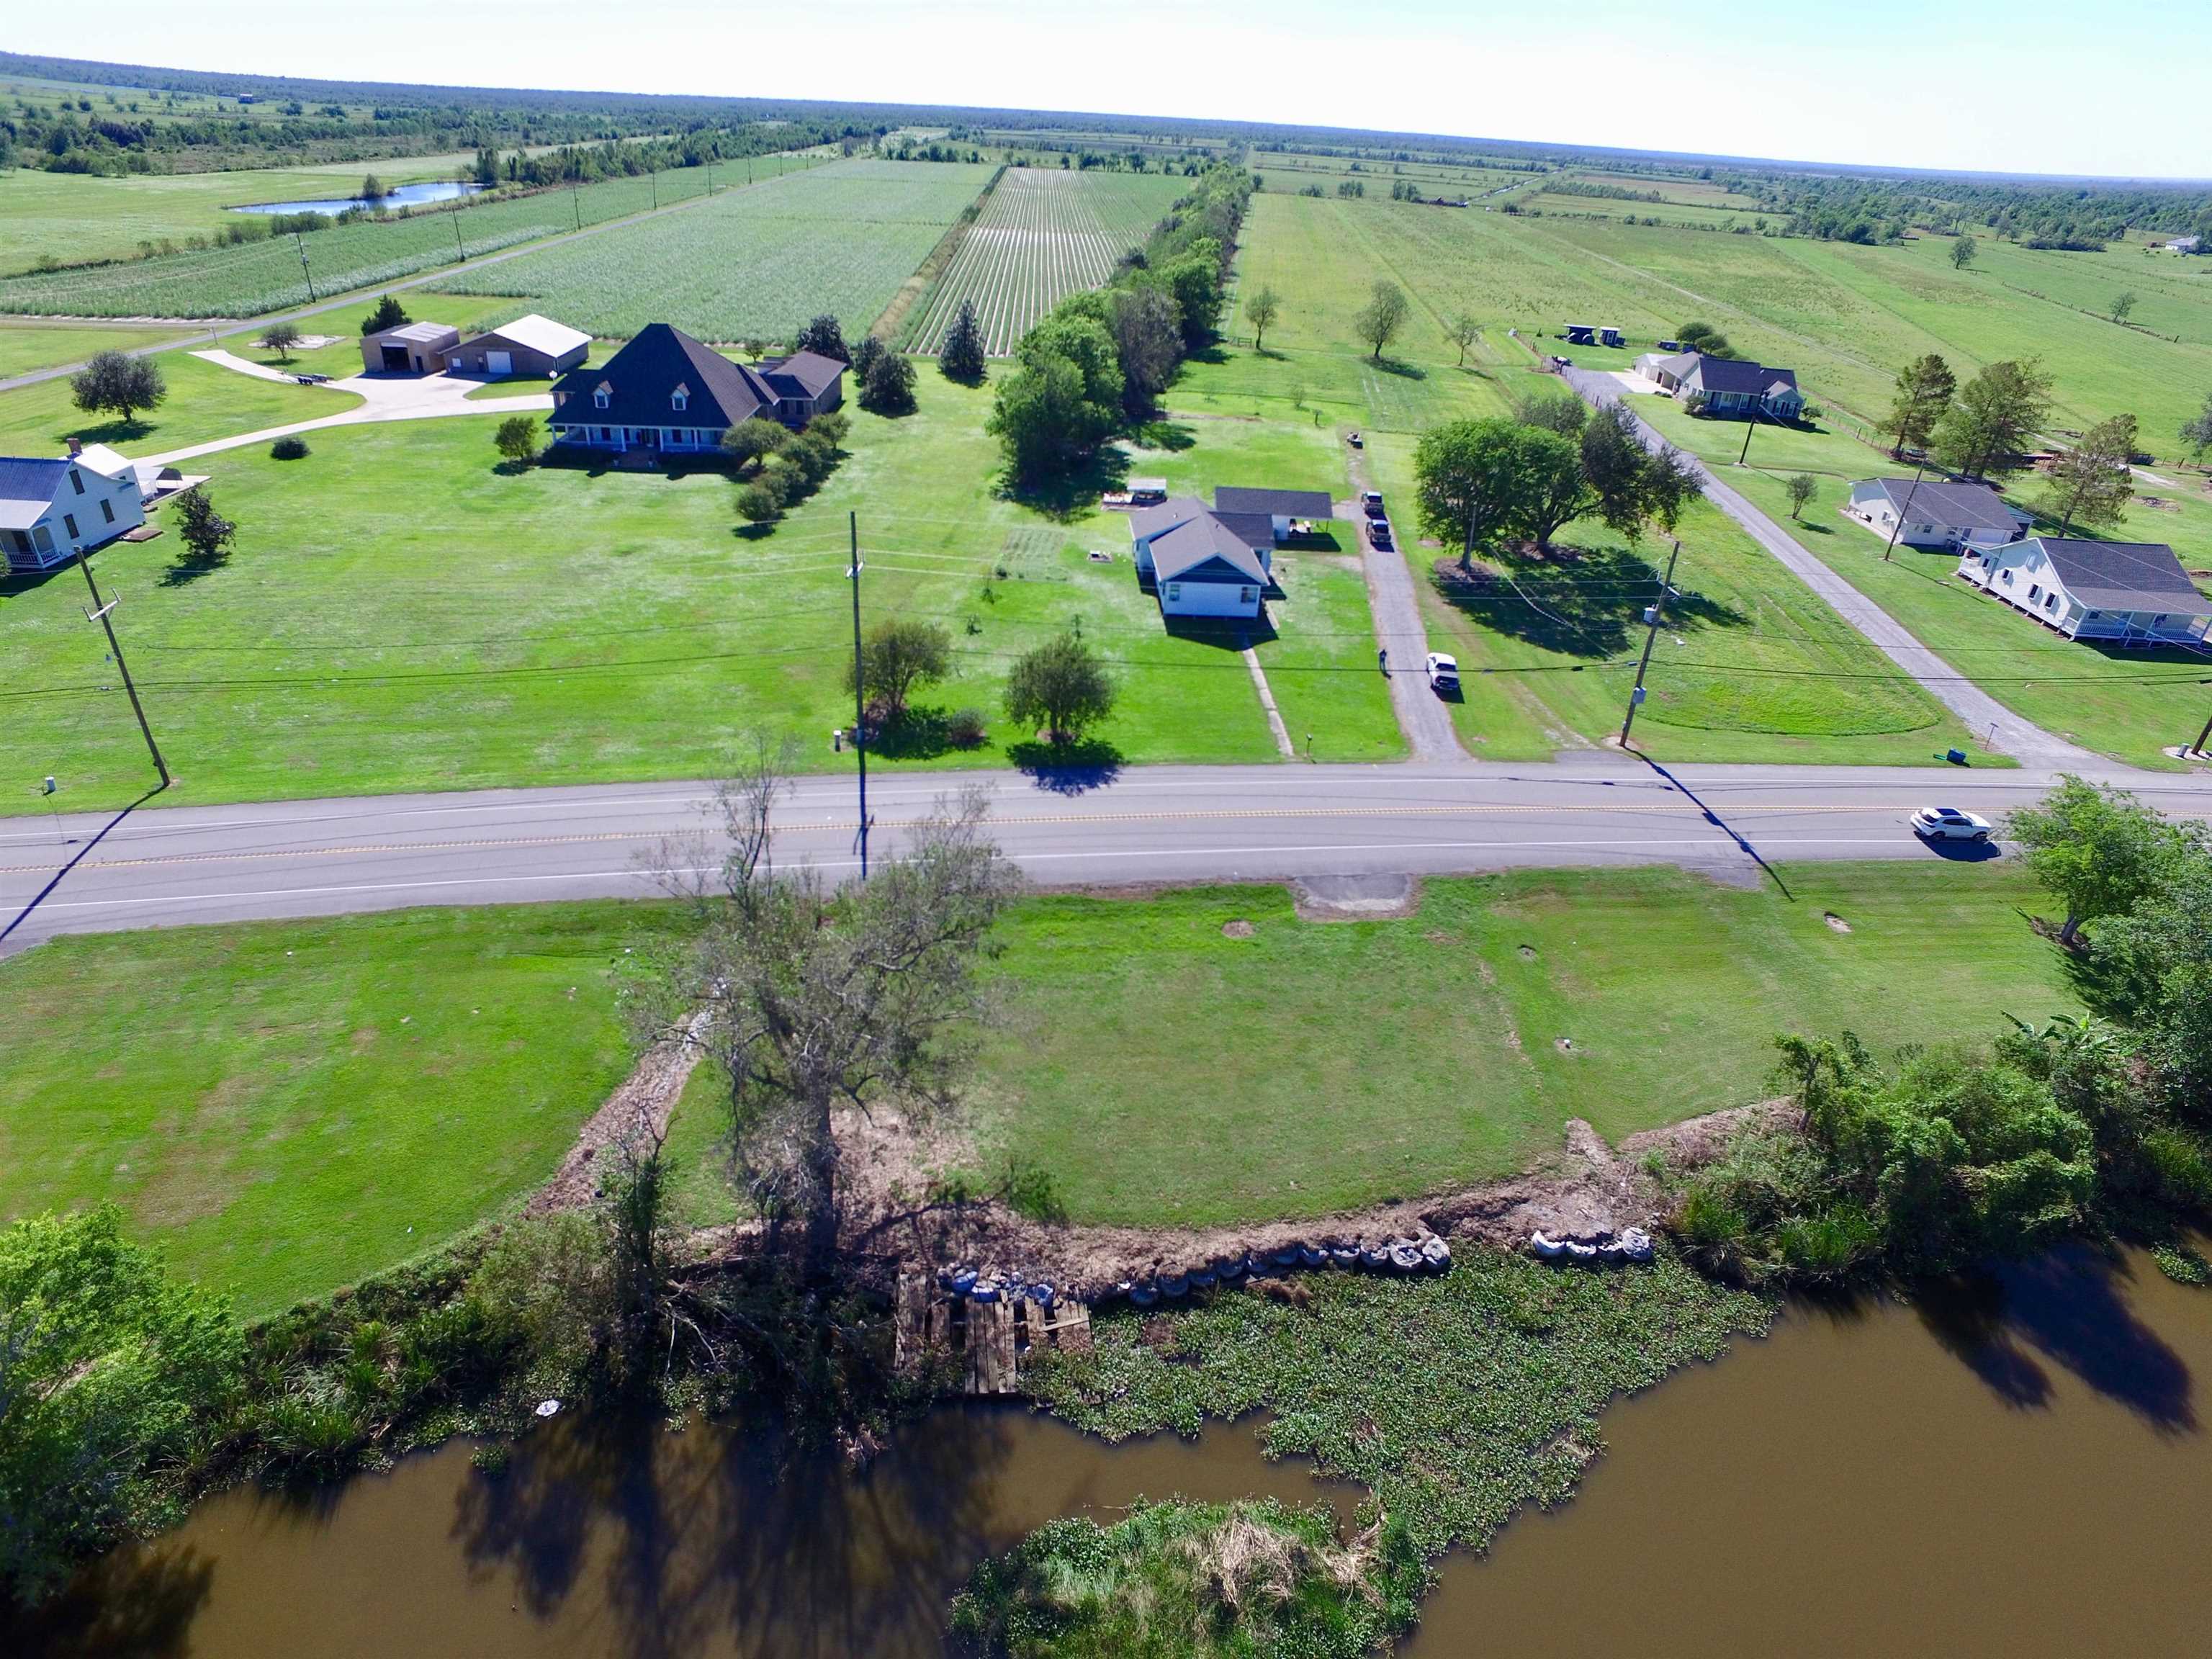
(1038, 416)
(1194, 277)
(110, 1374)
(2197, 433)
(1262, 308)
(117, 382)
(1924, 389)
(2092, 482)
(897, 656)
(824, 337)
(280, 337)
(1379, 320)
(1704, 337)
(1994, 419)
(204, 532)
(1062, 686)
(2098, 849)
(1558, 493)
(887, 388)
(517, 439)
(1147, 338)
(386, 312)
(754, 439)
(961, 357)
(1802, 491)
(1963, 250)
(1475, 480)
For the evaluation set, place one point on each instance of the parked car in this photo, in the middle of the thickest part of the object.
(1949, 823)
(1443, 672)
(1370, 503)
(1355, 440)
(1379, 532)
(313, 379)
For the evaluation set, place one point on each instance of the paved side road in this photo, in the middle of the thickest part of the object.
(2029, 744)
(162, 866)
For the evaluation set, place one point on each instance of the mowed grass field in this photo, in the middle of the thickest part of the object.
(1043, 233)
(2130, 705)
(27, 346)
(287, 1100)
(753, 263)
(290, 1106)
(262, 277)
(400, 613)
(1845, 317)
(78, 217)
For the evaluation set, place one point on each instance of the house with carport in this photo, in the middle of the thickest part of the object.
(2130, 594)
(1935, 513)
(1219, 561)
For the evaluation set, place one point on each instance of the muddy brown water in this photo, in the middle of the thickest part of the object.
(2021, 1471)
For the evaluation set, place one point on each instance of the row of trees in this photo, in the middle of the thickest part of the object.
(1986, 428)
(1945, 1157)
(1483, 482)
(1101, 359)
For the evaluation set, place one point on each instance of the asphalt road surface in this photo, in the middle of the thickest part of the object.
(162, 866)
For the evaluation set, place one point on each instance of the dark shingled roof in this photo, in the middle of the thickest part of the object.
(1740, 375)
(2124, 575)
(810, 373)
(1961, 506)
(641, 377)
(1270, 503)
(1191, 544)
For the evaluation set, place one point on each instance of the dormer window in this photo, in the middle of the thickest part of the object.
(602, 395)
(679, 397)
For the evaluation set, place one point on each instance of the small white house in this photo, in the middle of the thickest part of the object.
(1198, 563)
(1935, 513)
(1729, 385)
(52, 510)
(2131, 592)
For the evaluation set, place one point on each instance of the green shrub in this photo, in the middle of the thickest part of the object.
(293, 448)
(966, 729)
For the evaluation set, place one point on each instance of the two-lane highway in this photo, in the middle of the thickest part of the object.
(167, 865)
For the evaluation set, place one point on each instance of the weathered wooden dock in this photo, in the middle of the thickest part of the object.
(989, 1340)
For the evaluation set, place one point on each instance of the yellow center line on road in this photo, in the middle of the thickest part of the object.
(516, 843)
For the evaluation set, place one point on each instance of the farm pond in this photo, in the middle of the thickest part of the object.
(398, 196)
(2019, 1469)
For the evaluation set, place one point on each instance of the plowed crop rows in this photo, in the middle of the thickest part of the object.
(1043, 235)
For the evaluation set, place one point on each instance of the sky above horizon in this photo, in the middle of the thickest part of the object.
(2013, 86)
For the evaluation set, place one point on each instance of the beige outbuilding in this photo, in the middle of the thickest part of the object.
(410, 349)
(528, 345)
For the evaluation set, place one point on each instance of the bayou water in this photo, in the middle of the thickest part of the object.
(2021, 1469)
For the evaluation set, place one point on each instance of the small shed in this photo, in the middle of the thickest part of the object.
(410, 349)
(1147, 492)
(1609, 336)
(528, 345)
(1580, 334)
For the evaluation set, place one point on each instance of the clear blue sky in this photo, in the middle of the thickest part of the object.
(2116, 88)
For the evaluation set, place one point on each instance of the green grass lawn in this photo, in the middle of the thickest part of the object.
(291, 1105)
(1158, 1069)
(1754, 666)
(280, 1103)
(27, 346)
(2128, 704)
(205, 401)
(474, 626)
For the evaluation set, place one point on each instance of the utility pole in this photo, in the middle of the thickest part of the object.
(1748, 428)
(655, 172)
(859, 693)
(2204, 737)
(1651, 615)
(100, 614)
(1898, 529)
(575, 203)
(298, 242)
(459, 246)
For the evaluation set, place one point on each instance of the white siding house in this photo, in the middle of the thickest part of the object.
(1729, 385)
(50, 510)
(1935, 513)
(1199, 564)
(2131, 592)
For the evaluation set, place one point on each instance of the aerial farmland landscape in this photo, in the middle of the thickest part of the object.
(1382, 860)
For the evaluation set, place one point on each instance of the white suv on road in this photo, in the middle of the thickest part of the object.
(1443, 672)
(1949, 823)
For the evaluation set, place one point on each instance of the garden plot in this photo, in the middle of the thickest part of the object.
(1042, 236)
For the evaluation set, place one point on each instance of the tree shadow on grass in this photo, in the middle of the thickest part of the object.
(1588, 604)
(1073, 493)
(1074, 767)
(916, 735)
(189, 566)
(1399, 367)
(1161, 433)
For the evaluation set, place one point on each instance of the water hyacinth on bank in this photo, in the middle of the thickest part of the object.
(1453, 1399)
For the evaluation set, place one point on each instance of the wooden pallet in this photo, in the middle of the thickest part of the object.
(989, 1340)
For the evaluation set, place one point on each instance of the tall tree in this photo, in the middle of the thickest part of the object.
(1061, 685)
(517, 439)
(1963, 250)
(1704, 337)
(1148, 338)
(1615, 463)
(1924, 389)
(1381, 317)
(386, 312)
(105, 1365)
(825, 337)
(205, 532)
(1474, 482)
(2124, 304)
(1464, 333)
(1558, 493)
(821, 999)
(2196, 432)
(2090, 484)
(2098, 849)
(1994, 418)
(1671, 483)
(887, 388)
(961, 357)
(897, 656)
(1040, 417)
(1260, 311)
(118, 382)
(1802, 491)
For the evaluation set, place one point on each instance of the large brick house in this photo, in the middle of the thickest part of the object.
(665, 392)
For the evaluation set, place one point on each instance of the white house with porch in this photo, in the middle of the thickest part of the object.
(1935, 513)
(51, 509)
(2129, 593)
